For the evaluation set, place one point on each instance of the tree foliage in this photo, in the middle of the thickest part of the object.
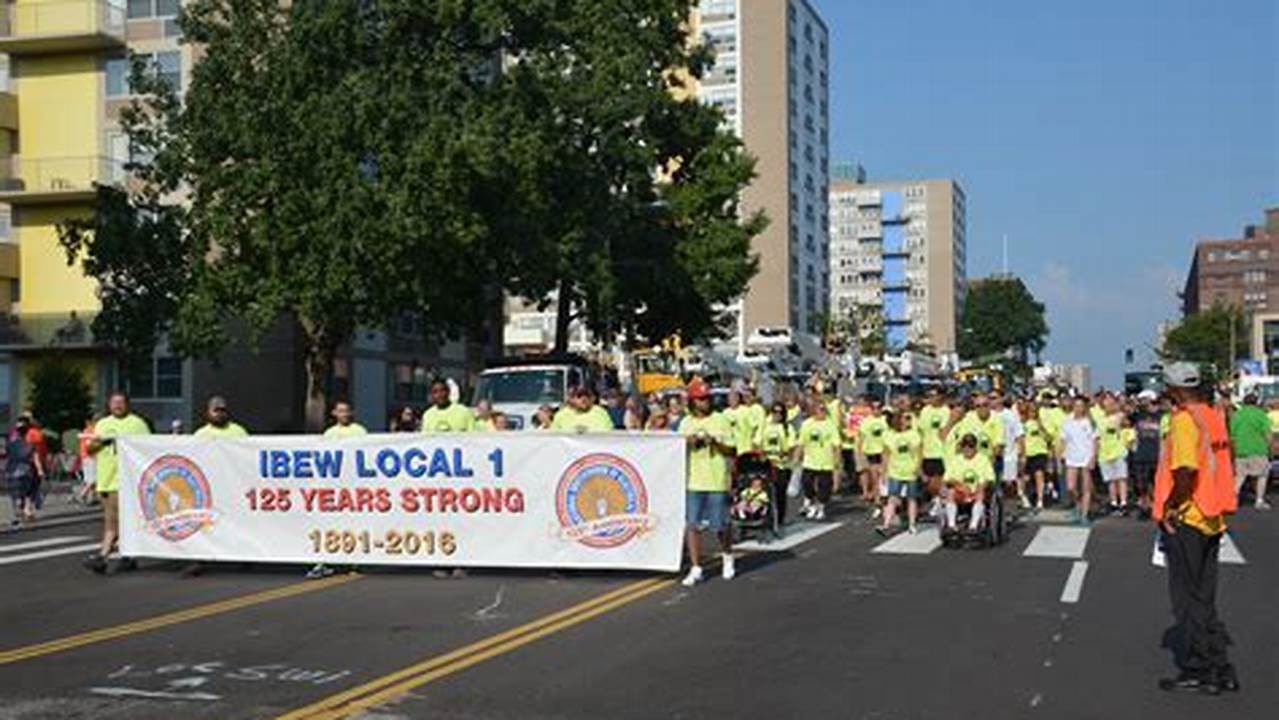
(1000, 316)
(345, 161)
(60, 397)
(872, 335)
(1205, 337)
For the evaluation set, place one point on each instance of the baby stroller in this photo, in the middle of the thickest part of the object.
(763, 523)
(994, 524)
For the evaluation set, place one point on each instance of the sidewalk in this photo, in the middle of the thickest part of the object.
(58, 505)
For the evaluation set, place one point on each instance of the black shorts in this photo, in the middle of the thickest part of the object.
(934, 467)
(876, 459)
(1036, 463)
(1143, 476)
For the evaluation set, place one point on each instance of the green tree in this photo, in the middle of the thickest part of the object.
(872, 335)
(1001, 315)
(635, 222)
(60, 397)
(1205, 337)
(341, 162)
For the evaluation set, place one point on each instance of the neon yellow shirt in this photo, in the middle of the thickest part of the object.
(1052, 418)
(343, 431)
(1037, 439)
(819, 441)
(1098, 415)
(749, 419)
(230, 430)
(707, 466)
(775, 439)
(108, 465)
(1128, 436)
(1274, 420)
(972, 472)
(905, 454)
(872, 431)
(931, 422)
(570, 419)
(454, 418)
(1111, 444)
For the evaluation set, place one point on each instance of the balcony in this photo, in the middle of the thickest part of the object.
(59, 26)
(70, 331)
(44, 181)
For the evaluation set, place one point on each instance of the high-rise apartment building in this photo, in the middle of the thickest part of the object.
(64, 74)
(900, 248)
(771, 79)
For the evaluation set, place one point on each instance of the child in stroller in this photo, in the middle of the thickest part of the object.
(754, 505)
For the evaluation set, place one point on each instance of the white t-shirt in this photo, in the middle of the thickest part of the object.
(1012, 430)
(1079, 437)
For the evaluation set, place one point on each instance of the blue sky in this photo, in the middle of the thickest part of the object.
(1104, 138)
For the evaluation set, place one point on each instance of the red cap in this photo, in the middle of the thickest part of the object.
(698, 389)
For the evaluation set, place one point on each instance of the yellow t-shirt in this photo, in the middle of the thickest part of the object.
(749, 419)
(1274, 420)
(931, 422)
(872, 432)
(230, 430)
(905, 454)
(1184, 454)
(1111, 442)
(570, 419)
(108, 466)
(707, 466)
(819, 440)
(972, 472)
(1052, 419)
(454, 418)
(1037, 438)
(1097, 413)
(342, 431)
(775, 439)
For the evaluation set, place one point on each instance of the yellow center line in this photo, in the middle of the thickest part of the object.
(173, 618)
(381, 689)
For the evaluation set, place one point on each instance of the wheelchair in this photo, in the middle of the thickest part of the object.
(995, 522)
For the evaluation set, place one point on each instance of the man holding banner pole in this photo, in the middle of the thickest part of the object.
(710, 443)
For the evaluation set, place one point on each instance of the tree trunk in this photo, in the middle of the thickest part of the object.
(563, 316)
(319, 363)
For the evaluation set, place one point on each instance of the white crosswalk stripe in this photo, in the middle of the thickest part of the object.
(10, 559)
(926, 541)
(1058, 542)
(47, 542)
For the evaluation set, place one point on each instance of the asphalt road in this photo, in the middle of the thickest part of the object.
(830, 627)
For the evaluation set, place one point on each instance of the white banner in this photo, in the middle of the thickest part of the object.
(473, 500)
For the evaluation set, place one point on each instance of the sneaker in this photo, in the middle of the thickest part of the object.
(1025, 502)
(820, 513)
(912, 530)
(96, 563)
(694, 576)
(883, 530)
(806, 508)
(458, 573)
(1261, 504)
(319, 571)
(877, 513)
(728, 572)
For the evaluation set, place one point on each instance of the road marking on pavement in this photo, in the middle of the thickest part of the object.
(382, 689)
(1058, 542)
(28, 557)
(1074, 582)
(798, 535)
(47, 542)
(1230, 552)
(926, 541)
(173, 618)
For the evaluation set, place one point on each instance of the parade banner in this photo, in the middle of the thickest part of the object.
(531, 499)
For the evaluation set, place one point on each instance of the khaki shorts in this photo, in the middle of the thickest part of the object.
(1253, 467)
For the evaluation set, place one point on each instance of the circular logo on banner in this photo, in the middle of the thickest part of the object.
(176, 499)
(601, 502)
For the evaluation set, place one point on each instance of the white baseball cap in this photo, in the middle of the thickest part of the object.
(1148, 394)
(1182, 375)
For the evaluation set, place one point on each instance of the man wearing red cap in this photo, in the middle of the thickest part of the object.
(710, 443)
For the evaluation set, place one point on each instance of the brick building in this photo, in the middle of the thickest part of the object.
(1242, 272)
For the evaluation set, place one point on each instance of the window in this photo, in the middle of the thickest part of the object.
(160, 378)
(15, 290)
(166, 65)
(411, 383)
(141, 9)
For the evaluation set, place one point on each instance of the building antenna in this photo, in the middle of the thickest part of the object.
(1005, 254)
